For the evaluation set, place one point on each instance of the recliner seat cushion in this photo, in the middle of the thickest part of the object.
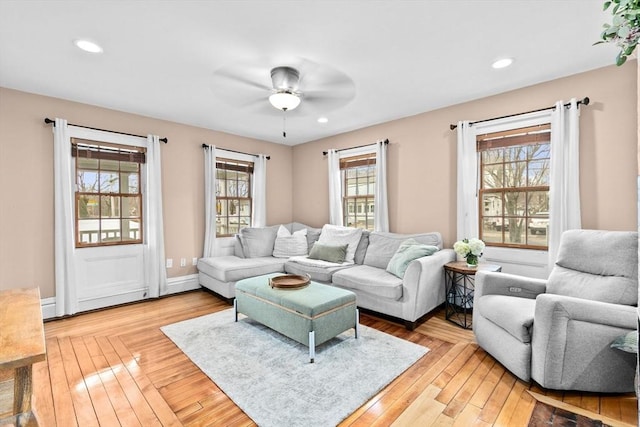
(231, 268)
(513, 314)
(372, 280)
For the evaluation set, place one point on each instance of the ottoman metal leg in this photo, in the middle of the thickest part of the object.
(357, 327)
(312, 346)
(235, 308)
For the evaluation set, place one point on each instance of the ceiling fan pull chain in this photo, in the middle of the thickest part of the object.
(284, 122)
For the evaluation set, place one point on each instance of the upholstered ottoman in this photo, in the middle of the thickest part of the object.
(310, 315)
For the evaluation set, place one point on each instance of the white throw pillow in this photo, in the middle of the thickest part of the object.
(288, 245)
(339, 235)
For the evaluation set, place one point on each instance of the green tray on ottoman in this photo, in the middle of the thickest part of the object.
(311, 315)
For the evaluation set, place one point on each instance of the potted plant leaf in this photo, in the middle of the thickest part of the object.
(624, 29)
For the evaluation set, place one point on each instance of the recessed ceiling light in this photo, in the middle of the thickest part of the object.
(502, 63)
(322, 120)
(88, 46)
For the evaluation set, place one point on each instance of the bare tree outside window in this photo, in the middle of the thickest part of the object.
(514, 187)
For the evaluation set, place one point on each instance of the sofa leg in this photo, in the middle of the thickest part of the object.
(409, 325)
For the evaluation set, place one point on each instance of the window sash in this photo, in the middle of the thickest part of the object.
(223, 216)
(124, 220)
(521, 219)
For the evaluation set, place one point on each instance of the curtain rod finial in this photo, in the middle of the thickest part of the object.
(452, 127)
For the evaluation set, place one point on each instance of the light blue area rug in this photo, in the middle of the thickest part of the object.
(270, 378)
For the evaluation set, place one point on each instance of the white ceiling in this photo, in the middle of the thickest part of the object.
(382, 60)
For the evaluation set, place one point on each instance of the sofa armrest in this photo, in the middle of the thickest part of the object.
(423, 284)
(495, 283)
(571, 344)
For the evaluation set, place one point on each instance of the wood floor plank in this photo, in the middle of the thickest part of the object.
(43, 395)
(82, 405)
(160, 407)
(100, 400)
(125, 413)
(497, 399)
(136, 399)
(62, 401)
(148, 381)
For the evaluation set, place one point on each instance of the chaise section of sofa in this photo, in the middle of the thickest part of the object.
(248, 254)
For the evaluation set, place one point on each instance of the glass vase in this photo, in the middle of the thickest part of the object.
(472, 260)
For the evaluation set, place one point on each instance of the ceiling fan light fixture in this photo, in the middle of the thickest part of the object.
(284, 100)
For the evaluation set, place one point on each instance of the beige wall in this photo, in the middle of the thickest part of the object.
(421, 172)
(26, 182)
(422, 155)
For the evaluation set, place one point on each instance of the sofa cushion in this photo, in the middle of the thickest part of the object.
(329, 253)
(408, 251)
(339, 235)
(371, 280)
(318, 270)
(231, 268)
(287, 245)
(258, 241)
(312, 233)
(382, 246)
(513, 314)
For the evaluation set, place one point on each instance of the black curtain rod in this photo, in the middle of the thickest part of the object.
(324, 153)
(48, 121)
(584, 101)
(234, 151)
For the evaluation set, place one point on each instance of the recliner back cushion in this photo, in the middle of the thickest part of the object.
(382, 246)
(597, 265)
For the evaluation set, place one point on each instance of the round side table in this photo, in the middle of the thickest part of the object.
(459, 287)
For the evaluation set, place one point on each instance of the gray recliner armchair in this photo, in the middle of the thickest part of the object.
(559, 331)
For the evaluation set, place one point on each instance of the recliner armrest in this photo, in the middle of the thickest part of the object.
(571, 344)
(495, 283)
(552, 306)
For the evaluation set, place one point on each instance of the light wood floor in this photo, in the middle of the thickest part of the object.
(115, 367)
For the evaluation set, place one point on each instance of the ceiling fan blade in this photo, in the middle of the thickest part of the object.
(239, 78)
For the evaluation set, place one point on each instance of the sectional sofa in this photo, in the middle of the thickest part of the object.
(398, 275)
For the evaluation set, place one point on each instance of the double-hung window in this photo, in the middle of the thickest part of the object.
(514, 187)
(233, 196)
(108, 200)
(359, 190)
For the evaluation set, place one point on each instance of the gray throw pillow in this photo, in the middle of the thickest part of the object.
(329, 253)
(258, 241)
(408, 251)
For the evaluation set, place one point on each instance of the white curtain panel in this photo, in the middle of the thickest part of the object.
(155, 273)
(209, 201)
(335, 188)
(564, 179)
(467, 179)
(259, 214)
(381, 218)
(66, 300)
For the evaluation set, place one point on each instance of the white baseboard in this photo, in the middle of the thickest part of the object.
(48, 307)
(174, 285)
(182, 284)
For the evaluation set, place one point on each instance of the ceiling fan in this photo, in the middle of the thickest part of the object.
(286, 96)
(306, 86)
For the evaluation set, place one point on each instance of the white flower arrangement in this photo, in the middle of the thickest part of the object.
(470, 249)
